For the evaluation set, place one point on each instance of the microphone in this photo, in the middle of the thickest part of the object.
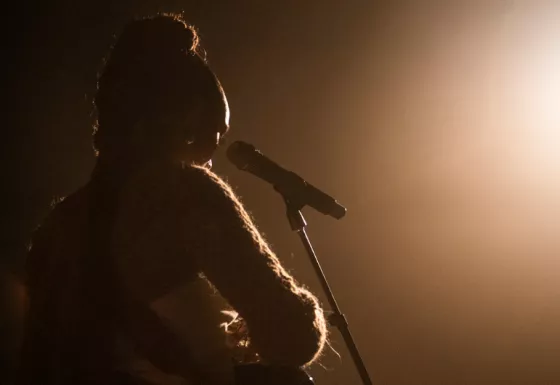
(293, 187)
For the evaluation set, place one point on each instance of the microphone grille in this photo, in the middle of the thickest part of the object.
(240, 153)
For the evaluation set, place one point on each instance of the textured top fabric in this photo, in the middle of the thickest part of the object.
(164, 227)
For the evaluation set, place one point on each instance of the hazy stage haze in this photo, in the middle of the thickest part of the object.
(428, 122)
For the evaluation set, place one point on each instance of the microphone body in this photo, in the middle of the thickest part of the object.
(293, 187)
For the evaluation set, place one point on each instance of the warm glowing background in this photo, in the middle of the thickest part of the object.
(438, 127)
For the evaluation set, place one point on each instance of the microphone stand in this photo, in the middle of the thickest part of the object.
(336, 319)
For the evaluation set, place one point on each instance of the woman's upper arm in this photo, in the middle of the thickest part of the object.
(232, 254)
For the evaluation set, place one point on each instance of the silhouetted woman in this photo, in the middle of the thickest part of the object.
(118, 273)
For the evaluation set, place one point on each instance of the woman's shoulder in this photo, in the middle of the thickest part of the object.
(192, 181)
(66, 211)
(62, 229)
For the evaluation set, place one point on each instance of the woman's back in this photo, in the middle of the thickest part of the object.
(144, 262)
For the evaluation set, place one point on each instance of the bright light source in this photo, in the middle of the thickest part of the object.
(538, 53)
(543, 106)
(544, 84)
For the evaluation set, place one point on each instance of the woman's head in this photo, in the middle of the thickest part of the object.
(157, 97)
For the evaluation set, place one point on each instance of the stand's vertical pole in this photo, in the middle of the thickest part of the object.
(337, 319)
